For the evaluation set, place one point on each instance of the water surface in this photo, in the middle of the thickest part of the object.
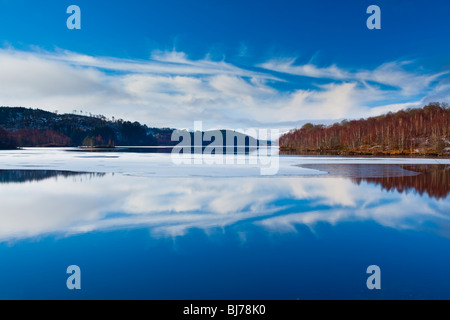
(144, 236)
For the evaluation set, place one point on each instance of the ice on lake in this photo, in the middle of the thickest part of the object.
(162, 164)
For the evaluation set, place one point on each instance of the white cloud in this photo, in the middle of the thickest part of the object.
(172, 90)
(307, 70)
(388, 74)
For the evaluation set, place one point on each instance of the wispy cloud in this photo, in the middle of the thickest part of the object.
(389, 74)
(160, 62)
(307, 70)
(170, 89)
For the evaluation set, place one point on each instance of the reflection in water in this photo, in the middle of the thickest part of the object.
(285, 237)
(432, 179)
(172, 206)
(20, 176)
(362, 170)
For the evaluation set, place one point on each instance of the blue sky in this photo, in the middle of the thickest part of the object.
(231, 64)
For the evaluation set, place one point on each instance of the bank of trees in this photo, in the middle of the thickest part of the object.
(412, 131)
(23, 127)
(6, 140)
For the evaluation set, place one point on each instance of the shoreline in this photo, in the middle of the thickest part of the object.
(366, 154)
(380, 170)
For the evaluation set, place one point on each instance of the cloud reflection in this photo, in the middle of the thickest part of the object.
(172, 206)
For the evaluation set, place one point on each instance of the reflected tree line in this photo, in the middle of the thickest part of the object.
(22, 176)
(433, 180)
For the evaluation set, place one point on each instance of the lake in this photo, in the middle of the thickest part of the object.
(141, 227)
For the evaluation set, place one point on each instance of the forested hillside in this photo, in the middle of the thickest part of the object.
(421, 131)
(22, 127)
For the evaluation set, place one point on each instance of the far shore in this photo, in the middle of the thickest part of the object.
(387, 154)
(283, 151)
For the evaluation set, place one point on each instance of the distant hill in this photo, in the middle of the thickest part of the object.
(24, 127)
(35, 127)
(421, 131)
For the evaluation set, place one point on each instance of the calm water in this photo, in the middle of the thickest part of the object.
(193, 237)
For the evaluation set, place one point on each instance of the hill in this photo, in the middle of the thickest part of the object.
(24, 127)
(421, 131)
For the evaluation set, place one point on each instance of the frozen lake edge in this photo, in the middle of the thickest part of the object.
(162, 165)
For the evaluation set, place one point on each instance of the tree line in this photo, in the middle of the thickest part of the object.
(411, 131)
(24, 127)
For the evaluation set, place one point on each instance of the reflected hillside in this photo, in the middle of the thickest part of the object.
(21, 176)
(430, 179)
(433, 180)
